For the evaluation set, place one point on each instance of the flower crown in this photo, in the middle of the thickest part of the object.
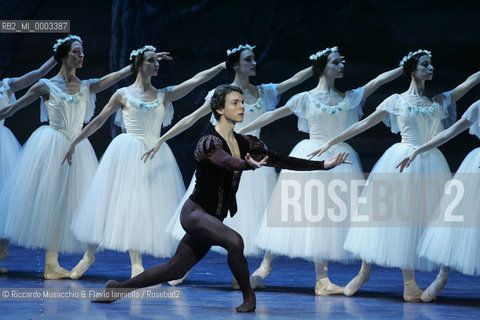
(240, 48)
(140, 51)
(70, 37)
(317, 55)
(411, 54)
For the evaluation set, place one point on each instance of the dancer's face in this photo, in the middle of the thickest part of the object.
(150, 64)
(234, 108)
(424, 69)
(335, 66)
(74, 59)
(247, 64)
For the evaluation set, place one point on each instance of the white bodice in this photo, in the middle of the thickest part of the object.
(322, 121)
(416, 124)
(267, 101)
(66, 113)
(473, 115)
(5, 99)
(143, 120)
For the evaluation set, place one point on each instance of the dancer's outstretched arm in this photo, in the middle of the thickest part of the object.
(179, 91)
(36, 91)
(28, 79)
(464, 87)
(352, 131)
(295, 80)
(380, 80)
(112, 106)
(267, 118)
(447, 134)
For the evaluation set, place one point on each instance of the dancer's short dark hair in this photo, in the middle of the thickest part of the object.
(217, 102)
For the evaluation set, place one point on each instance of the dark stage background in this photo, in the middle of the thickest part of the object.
(373, 36)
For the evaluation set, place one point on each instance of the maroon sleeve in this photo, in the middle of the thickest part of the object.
(210, 149)
(275, 159)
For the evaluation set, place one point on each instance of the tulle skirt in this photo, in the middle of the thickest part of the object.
(457, 244)
(130, 202)
(397, 207)
(253, 193)
(42, 195)
(303, 232)
(9, 151)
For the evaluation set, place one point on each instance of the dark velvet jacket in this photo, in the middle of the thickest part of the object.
(218, 173)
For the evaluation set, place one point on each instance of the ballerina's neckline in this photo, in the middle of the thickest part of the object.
(317, 102)
(63, 92)
(141, 101)
(410, 106)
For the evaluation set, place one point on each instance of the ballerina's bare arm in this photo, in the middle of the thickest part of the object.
(36, 91)
(267, 118)
(295, 80)
(353, 130)
(28, 79)
(464, 87)
(109, 80)
(444, 136)
(113, 104)
(179, 91)
(380, 80)
(178, 128)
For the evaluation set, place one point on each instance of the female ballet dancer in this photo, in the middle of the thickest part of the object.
(219, 161)
(9, 146)
(392, 242)
(128, 202)
(323, 113)
(256, 186)
(39, 204)
(457, 245)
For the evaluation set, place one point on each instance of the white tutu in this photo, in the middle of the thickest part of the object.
(129, 202)
(309, 240)
(458, 247)
(393, 242)
(42, 194)
(9, 151)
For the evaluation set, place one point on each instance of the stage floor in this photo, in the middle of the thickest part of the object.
(207, 294)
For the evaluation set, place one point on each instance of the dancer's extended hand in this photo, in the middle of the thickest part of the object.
(405, 163)
(318, 152)
(255, 164)
(335, 161)
(163, 56)
(151, 153)
(68, 155)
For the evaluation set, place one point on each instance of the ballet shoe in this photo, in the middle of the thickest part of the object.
(248, 305)
(433, 289)
(108, 295)
(55, 273)
(81, 267)
(3, 270)
(324, 287)
(136, 270)
(355, 284)
(411, 292)
(174, 283)
(257, 277)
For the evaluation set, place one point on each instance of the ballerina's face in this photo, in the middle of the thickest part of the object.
(234, 108)
(150, 64)
(424, 69)
(335, 66)
(247, 64)
(74, 59)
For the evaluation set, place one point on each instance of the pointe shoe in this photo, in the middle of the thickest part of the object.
(55, 273)
(433, 289)
(355, 284)
(136, 270)
(324, 287)
(257, 277)
(411, 292)
(174, 283)
(81, 267)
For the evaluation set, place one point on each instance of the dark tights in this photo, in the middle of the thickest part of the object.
(203, 231)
